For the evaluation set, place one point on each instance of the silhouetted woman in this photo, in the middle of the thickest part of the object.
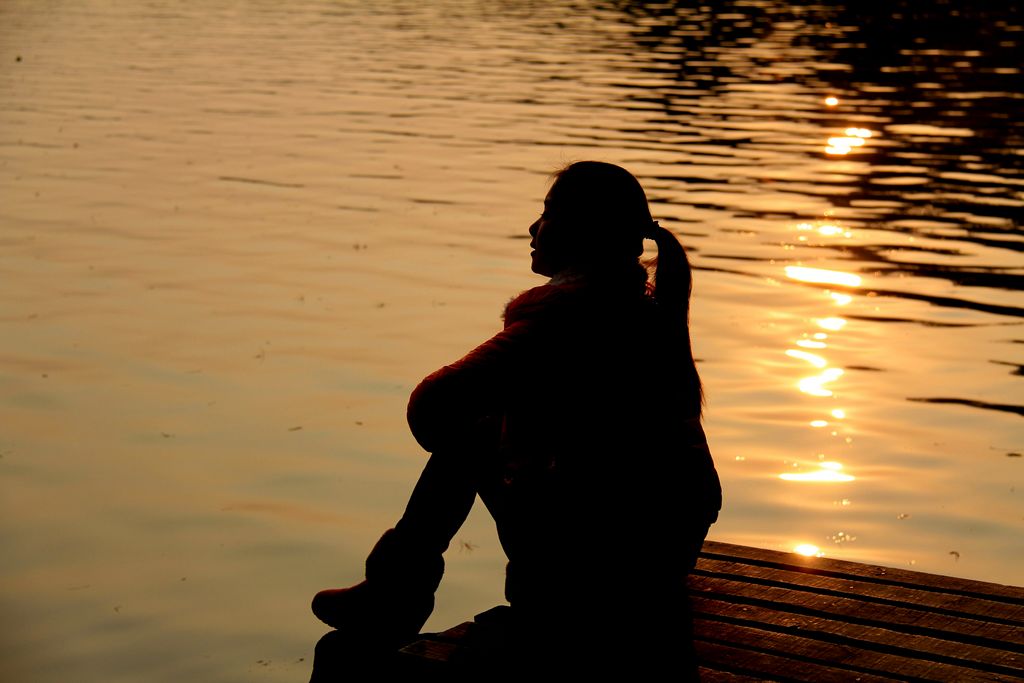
(579, 427)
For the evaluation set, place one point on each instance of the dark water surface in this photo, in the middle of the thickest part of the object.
(234, 235)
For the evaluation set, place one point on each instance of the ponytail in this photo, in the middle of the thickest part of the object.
(673, 282)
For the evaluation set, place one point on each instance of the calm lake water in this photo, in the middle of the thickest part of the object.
(235, 235)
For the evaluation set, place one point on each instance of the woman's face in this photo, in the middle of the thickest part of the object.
(549, 254)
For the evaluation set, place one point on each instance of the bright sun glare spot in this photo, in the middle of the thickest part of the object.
(827, 472)
(842, 144)
(831, 101)
(857, 132)
(808, 550)
(841, 299)
(843, 141)
(813, 385)
(815, 360)
(820, 335)
(834, 324)
(808, 344)
(822, 276)
(839, 413)
(830, 230)
(819, 423)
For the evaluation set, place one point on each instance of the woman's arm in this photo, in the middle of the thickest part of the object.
(449, 403)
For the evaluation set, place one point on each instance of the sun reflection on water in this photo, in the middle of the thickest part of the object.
(811, 345)
(813, 385)
(827, 472)
(839, 145)
(822, 276)
(833, 324)
(815, 360)
(808, 550)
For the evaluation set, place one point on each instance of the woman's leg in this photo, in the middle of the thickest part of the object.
(406, 565)
(441, 501)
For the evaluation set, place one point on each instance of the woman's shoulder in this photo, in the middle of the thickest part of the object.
(562, 301)
(535, 302)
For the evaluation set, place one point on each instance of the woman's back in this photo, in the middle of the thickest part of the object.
(599, 473)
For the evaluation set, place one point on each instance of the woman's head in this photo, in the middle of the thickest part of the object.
(594, 223)
(595, 218)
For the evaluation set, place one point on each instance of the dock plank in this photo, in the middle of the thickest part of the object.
(766, 615)
(985, 609)
(889, 575)
(723, 658)
(852, 609)
(916, 647)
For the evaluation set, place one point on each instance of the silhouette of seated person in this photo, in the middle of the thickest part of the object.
(578, 425)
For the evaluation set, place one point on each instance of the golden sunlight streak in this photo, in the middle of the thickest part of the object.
(822, 276)
(813, 385)
(827, 472)
(808, 550)
(809, 344)
(844, 144)
(841, 299)
(839, 413)
(815, 360)
(833, 324)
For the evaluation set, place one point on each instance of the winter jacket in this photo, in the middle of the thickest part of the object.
(597, 470)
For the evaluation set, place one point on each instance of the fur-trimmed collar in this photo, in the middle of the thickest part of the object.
(555, 297)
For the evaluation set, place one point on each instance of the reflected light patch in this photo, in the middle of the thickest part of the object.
(834, 324)
(830, 230)
(857, 132)
(815, 360)
(831, 101)
(813, 385)
(841, 299)
(809, 344)
(808, 550)
(819, 423)
(846, 141)
(822, 276)
(843, 145)
(827, 472)
(839, 413)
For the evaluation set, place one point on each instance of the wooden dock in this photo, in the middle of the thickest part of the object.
(767, 615)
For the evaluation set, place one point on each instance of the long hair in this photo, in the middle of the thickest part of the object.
(606, 210)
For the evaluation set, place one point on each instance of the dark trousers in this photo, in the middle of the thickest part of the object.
(439, 505)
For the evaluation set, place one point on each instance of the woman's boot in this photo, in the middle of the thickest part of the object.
(396, 598)
(405, 567)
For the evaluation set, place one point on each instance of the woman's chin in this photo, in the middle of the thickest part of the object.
(541, 269)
